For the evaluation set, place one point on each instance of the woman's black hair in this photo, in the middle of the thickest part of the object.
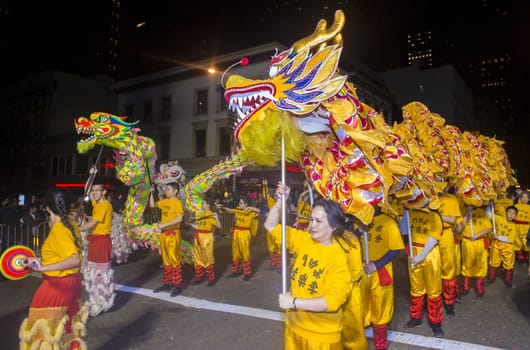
(59, 202)
(336, 219)
(174, 185)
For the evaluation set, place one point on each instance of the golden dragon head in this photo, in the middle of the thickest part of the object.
(300, 79)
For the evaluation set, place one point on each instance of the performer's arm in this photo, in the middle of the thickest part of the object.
(287, 301)
(379, 263)
(68, 263)
(173, 222)
(481, 233)
(431, 243)
(449, 219)
(275, 212)
(89, 225)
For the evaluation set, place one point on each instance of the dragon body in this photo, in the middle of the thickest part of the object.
(345, 148)
(135, 158)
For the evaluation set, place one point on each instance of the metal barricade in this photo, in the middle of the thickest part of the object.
(23, 234)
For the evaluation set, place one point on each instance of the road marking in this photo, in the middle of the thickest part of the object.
(393, 336)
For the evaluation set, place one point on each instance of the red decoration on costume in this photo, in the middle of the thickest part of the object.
(244, 61)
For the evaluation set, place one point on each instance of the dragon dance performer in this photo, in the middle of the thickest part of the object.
(98, 273)
(353, 311)
(172, 214)
(450, 211)
(320, 277)
(203, 258)
(523, 223)
(275, 250)
(384, 245)
(56, 319)
(501, 250)
(244, 214)
(303, 210)
(425, 267)
(475, 245)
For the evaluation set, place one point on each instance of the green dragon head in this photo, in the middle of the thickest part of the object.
(301, 78)
(103, 129)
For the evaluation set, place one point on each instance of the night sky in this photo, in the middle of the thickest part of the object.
(66, 35)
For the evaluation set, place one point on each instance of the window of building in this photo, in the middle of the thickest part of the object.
(225, 140)
(166, 108)
(200, 143)
(62, 165)
(129, 110)
(221, 102)
(201, 101)
(148, 110)
(81, 164)
(164, 147)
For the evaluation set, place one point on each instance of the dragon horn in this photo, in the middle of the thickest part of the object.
(321, 35)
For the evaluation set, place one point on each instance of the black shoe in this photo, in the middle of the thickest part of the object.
(247, 277)
(437, 332)
(489, 282)
(196, 282)
(175, 291)
(413, 322)
(162, 288)
(464, 292)
(450, 310)
(211, 283)
(234, 274)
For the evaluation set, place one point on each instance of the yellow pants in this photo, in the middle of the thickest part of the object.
(502, 253)
(170, 248)
(241, 245)
(353, 337)
(426, 277)
(447, 254)
(293, 341)
(474, 258)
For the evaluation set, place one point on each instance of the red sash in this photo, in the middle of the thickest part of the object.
(384, 276)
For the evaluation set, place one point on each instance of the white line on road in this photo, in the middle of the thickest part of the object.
(393, 336)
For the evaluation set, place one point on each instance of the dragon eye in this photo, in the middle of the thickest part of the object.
(103, 119)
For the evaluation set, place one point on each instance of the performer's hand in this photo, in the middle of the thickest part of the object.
(414, 262)
(33, 263)
(282, 190)
(370, 268)
(285, 301)
(93, 170)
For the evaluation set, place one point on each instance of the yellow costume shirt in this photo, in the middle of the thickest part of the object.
(170, 209)
(58, 246)
(102, 213)
(318, 271)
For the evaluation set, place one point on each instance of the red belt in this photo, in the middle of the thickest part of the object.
(521, 222)
(417, 244)
(447, 227)
(484, 239)
(241, 228)
(203, 231)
